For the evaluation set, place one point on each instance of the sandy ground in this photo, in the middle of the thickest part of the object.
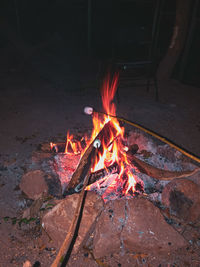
(40, 104)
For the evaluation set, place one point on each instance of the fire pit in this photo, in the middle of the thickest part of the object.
(116, 172)
(131, 206)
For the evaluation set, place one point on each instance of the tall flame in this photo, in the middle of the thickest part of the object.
(108, 92)
(113, 151)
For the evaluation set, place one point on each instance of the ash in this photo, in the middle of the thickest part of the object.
(65, 165)
(111, 187)
(158, 155)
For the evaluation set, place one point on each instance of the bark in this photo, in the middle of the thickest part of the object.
(98, 175)
(176, 46)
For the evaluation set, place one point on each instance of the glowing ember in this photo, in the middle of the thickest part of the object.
(112, 148)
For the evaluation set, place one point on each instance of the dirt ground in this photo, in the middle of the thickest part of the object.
(40, 103)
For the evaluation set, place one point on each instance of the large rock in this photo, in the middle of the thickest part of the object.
(92, 209)
(58, 220)
(36, 184)
(108, 229)
(33, 184)
(146, 229)
(195, 178)
(135, 225)
(182, 197)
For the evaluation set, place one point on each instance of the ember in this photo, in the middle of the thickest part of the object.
(113, 150)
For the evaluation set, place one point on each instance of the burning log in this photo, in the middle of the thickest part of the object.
(77, 180)
(160, 174)
(95, 176)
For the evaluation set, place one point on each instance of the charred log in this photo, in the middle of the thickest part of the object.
(159, 174)
(95, 176)
(79, 175)
(133, 149)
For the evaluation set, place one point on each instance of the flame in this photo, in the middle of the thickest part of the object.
(114, 151)
(112, 148)
(71, 146)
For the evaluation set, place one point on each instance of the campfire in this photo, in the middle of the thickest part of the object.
(113, 192)
(106, 163)
(112, 171)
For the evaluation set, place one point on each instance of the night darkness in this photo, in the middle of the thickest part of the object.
(104, 30)
(55, 55)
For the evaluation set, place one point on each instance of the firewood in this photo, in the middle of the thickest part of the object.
(80, 172)
(95, 176)
(160, 174)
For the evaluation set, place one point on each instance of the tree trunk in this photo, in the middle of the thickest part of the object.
(176, 46)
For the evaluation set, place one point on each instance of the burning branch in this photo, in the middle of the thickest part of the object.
(79, 175)
(95, 176)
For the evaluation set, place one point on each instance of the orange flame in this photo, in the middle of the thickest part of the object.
(72, 146)
(112, 151)
(115, 151)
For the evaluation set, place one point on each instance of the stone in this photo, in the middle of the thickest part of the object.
(92, 209)
(58, 220)
(195, 178)
(36, 184)
(26, 213)
(33, 184)
(133, 225)
(33, 210)
(54, 185)
(182, 197)
(194, 213)
(108, 229)
(146, 229)
(27, 264)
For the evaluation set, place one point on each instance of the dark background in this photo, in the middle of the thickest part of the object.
(101, 30)
(53, 56)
